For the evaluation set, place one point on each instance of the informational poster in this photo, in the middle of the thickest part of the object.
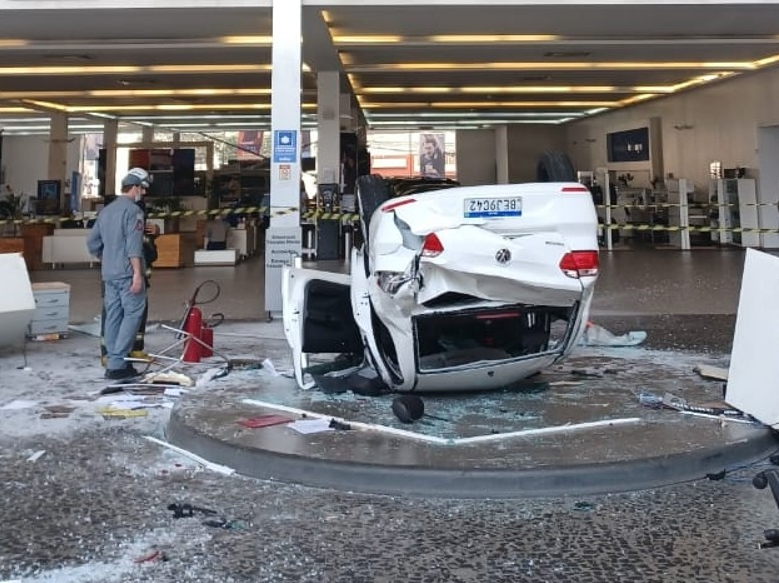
(282, 245)
(285, 147)
(432, 160)
(249, 145)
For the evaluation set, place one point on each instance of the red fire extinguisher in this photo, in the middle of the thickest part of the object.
(199, 335)
(207, 338)
(193, 326)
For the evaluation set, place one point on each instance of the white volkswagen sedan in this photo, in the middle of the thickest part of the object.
(453, 289)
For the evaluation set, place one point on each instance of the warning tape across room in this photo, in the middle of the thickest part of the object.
(353, 218)
(249, 210)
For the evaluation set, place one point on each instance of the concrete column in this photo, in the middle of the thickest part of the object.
(58, 150)
(147, 134)
(348, 121)
(328, 158)
(110, 138)
(283, 238)
(502, 155)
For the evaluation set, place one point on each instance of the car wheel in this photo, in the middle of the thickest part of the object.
(555, 167)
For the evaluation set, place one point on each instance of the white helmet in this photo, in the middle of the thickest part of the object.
(137, 177)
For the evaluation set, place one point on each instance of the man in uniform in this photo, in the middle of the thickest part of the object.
(117, 239)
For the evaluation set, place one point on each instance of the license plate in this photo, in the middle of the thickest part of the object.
(510, 206)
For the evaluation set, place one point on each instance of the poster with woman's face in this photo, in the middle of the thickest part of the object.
(431, 155)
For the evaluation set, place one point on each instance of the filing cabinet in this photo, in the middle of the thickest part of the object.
(52, 310)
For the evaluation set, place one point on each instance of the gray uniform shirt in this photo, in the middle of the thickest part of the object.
(116, 236)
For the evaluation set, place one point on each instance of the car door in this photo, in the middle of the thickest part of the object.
(318, 316)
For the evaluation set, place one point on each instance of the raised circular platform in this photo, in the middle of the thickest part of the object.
(577, 429)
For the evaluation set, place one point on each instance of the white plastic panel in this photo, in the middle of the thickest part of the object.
(753, 379)
(17, 303)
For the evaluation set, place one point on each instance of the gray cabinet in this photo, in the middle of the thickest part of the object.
(52, 311)
(736, 201)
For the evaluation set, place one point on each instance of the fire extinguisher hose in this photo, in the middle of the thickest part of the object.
(193, 301)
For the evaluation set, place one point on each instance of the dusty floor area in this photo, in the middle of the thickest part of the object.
(94, 507)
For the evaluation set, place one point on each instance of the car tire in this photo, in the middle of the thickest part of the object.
(372, 192)
(555, 167)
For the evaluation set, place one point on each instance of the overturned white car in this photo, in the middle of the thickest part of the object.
(464, 288)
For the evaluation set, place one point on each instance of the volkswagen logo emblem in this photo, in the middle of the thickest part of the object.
(503, 256)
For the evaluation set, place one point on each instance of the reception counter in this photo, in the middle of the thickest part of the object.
(175, 250)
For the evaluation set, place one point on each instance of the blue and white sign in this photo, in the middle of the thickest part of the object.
(285, 147)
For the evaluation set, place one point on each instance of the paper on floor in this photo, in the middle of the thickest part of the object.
(306, 426)
(595, 335)
(18, 404)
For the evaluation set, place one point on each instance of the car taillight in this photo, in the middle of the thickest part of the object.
(580, 264)
(575, 189)
(388, 207)
(432, 246)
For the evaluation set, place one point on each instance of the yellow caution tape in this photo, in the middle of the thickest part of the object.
(697, 205)
(631, 227)
(354, 217)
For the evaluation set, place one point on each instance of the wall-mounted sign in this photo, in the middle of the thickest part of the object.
(285, 146)
(628, 146)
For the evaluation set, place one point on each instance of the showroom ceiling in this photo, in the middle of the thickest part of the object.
(409, 66)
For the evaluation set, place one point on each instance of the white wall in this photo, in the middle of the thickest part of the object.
(768, 185)
(476, 157)
(721, 122)
(26, 161)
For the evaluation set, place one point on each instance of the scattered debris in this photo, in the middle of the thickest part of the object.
(595, 335)
(154, 555)
(224, 470)
(36, 456)
(168, 377)
(212, 374)
(224, 523)
(716, 410)
(57, 411)
(443, 440)
(188, 510)
(585, 373)
(249, 364)
(339, 425)
(111, 413)
(708, 371)
(582, 506)
(307, 426)
(174, 392)
(268, 366)
(264, 421)
(17, 404)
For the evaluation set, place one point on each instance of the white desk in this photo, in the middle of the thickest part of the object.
(67, 246)
(243, 241)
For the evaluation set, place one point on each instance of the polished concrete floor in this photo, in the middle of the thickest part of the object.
(640, 281)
